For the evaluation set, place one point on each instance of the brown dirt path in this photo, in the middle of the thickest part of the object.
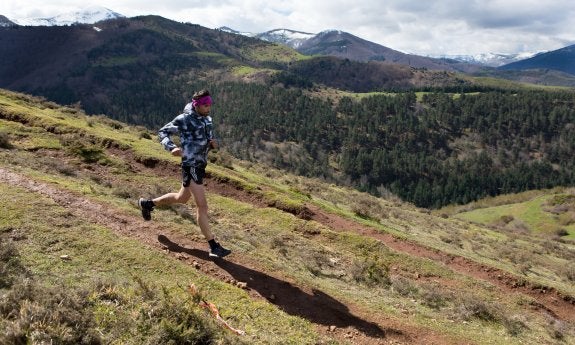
(351, 323)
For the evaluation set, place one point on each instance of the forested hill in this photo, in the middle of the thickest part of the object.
(439, 149)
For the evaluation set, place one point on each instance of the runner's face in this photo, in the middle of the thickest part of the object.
(204, 110)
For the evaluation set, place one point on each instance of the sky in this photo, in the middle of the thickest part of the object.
(422, 27)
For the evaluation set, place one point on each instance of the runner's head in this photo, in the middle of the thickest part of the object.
(202, 102)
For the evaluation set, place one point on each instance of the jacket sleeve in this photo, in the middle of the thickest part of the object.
(165, 132)
(210, 129)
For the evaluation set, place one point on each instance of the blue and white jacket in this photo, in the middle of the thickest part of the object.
(196, 132)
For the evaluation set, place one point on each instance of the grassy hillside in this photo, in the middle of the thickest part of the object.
(312, 263)
(546, 213)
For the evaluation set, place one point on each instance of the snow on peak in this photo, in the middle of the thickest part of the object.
(330, 31)
(287, 37)
(232, 31)
(489, 59)
(86, 15)
(291, 34)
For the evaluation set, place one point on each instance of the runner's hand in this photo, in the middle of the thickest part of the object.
(176, 152)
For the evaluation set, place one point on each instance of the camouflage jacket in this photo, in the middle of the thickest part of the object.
(195, 131)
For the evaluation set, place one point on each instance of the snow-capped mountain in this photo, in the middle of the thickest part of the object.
(232, 31)
(5, 22)
(290, 38)
(489, 59)
(562, 60)
(308, 43)
(345, 45)
(87, 15)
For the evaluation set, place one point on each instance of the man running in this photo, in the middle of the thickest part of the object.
(196, 138)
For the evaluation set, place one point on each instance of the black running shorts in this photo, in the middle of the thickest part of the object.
(195, 174)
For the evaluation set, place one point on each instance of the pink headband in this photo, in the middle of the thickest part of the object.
(202, 101)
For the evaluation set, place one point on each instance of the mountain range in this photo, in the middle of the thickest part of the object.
(489, 59)
(552, 68)
(71, 57)
(339, 43)
(329, 42)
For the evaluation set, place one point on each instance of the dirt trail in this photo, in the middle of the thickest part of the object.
(351, 323)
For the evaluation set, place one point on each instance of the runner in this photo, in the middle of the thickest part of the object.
(196, 138)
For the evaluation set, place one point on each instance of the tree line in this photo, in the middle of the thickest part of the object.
(441, 149)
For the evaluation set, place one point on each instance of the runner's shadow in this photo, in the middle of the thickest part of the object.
(317, 307)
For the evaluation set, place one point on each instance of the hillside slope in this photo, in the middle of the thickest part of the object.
(307, 266)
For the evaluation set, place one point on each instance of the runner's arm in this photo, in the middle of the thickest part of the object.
(165, 132)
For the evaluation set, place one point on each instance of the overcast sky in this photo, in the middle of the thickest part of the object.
(423, 27)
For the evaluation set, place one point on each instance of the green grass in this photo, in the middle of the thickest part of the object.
(52, 232)
(530, 213)
(216, 57)
(273, 52)
(244, 70)
(509, 84)
(268, 238)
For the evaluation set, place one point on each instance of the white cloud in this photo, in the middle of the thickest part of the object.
(420, 27)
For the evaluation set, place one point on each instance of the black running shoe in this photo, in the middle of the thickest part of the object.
(146, 207)
(219, 252)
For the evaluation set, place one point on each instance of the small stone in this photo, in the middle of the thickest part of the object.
(65, 257)
(242, 285)
(332, 328)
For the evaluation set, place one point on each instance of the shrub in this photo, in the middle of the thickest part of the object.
(40, 315)
(514, 325)
(145, 135)
(10, 265)
(367, 208)
(566, 218)
(568, 271)
(125, 191)
(404, 286)
(371, 272)
(222, 158)
(5, 141)
(103, 312)
(32, 314)
(88, 152)
(473, 307)
(434, 298)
